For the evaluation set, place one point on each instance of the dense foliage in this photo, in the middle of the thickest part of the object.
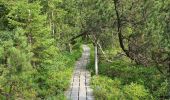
(34, 60)
(40, 40)
(123, 80)
(139, 35)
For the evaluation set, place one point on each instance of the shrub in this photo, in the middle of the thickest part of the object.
(135, 92)
(107, 89)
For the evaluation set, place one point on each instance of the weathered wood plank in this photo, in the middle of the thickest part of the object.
(79, 89)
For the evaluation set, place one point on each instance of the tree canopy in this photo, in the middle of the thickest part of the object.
(40, 41)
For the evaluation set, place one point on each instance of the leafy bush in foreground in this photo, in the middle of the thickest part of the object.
(107, 89)
(146, 81)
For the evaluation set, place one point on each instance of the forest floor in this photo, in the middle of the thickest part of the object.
(80, 82)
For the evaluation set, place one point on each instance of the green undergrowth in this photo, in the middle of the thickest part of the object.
(123, 80)
(47, 82)
(57, 79)
(106, 88)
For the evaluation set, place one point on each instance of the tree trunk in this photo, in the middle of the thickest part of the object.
(120, 36)
(96, 59)
(29, 35)
(70, 47)
(53, 26)
(107, 59)
(169, 81)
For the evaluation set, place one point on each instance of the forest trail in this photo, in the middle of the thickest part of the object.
(80, 89)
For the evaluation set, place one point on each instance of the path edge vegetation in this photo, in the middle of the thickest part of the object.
(122, 80)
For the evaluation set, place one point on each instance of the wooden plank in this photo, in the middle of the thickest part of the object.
(80, 81)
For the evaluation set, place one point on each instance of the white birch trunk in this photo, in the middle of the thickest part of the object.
(53, 31)
(70, 48)
(96, 60)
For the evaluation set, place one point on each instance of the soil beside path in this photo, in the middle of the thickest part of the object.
(80, 85)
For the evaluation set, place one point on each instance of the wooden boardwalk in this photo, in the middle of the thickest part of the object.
(80, 89)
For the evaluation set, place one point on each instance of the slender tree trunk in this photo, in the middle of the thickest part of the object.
(169, 81)
(70, 47)
(30, 38)
(6, 61)
(120, 36)
(29, 35)
(96, 59)
(53, 26)
(50, 25)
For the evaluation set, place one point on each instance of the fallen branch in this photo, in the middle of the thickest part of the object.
(100, 47)
(79, 35)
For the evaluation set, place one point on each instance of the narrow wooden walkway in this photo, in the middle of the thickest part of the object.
(80, 89)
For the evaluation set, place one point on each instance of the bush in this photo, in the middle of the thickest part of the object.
(107, 89)
(54, 79)
(150, 77)
(144, 78)
(135, 92)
